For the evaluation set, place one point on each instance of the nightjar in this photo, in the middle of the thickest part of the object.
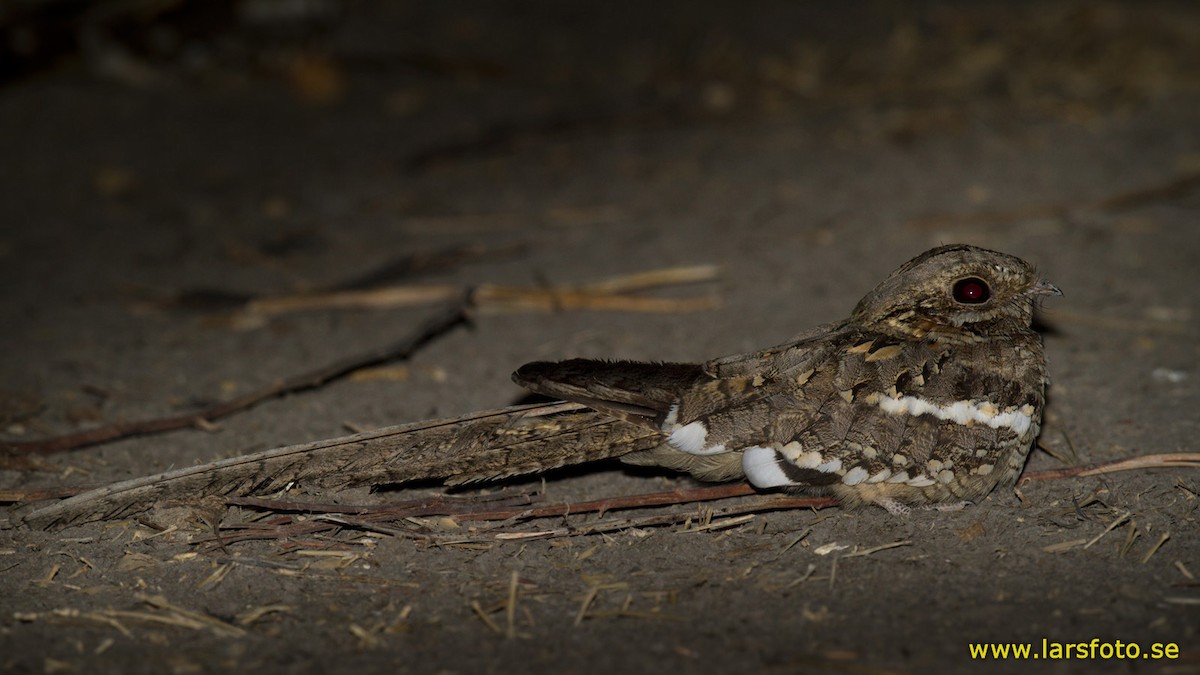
(930, 393)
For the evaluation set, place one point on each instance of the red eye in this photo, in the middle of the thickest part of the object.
(971, 291)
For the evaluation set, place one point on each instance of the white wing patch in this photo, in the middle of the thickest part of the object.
(762, 469)
(763, 465)
(691, 438)
(1018, 420)
(671, 421)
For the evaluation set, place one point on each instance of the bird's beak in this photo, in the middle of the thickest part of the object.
(1043, 287)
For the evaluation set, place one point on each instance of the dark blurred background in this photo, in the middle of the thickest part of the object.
(544, 67)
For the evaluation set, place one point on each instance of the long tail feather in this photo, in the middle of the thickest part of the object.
(478, 446)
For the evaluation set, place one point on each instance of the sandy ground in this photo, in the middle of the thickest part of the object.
(805, 152)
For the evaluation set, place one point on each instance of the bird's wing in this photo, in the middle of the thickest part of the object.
(706, 415)
(705, 409)
(756, 398)
(793, 355)
(638, 392)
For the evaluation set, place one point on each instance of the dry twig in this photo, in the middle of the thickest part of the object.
(402, 522)
(480, 509)
(1187, 460)
(438, 325)
(608, 295)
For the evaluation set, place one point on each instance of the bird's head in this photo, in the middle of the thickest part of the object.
(955, 293)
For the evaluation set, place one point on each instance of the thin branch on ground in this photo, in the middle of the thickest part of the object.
(614, 294)
(440, 324)
(483, 507)
(1186, 460)
(433, 505)
(407, 266)
(609, 294)
(402, 519)
(734, 515)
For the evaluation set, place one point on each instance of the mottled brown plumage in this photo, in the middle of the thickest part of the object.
(931, 392)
